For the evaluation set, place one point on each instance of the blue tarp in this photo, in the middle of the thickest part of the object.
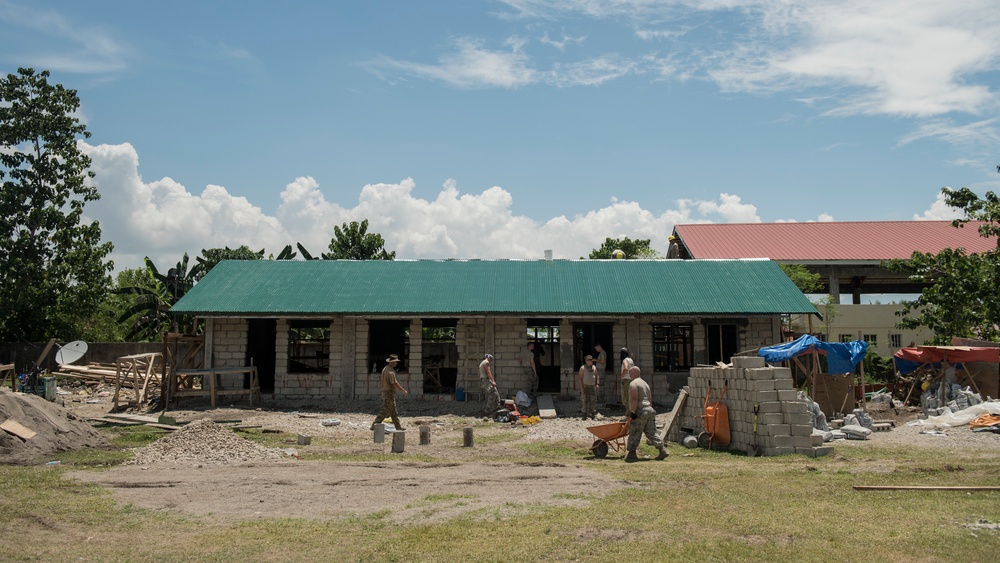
(841, 357)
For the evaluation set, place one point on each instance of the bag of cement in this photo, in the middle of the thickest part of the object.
(960, 418)
(818, 418)
(862, 418)
(856, 432)
(826, 434)
(882, 397)
(522, 399)
(837, 435)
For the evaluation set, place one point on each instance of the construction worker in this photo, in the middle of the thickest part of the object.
(643, 417)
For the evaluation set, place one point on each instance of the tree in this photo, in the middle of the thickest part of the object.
(960, 299)
(632, 249)
(52, 262)
(963, 295)
(806, 281)
(149, 316)
(211, 257)
(354, 242)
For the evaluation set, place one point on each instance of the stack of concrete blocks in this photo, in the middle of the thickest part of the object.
(784, 424)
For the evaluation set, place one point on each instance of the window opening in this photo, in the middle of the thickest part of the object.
(673, 348)
(308, 346)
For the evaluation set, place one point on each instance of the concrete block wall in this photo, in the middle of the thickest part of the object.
(366, 383)
(509, 347)
(309, 386)
(229, 349)
(470, 340)
(784, 424)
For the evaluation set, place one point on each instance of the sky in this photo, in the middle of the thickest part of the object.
(502, 129)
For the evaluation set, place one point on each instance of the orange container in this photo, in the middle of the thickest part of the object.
(717, 419)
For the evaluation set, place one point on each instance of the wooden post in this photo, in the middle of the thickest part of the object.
(467, 440)
(379, 433)
(398, 441)
(425, 435)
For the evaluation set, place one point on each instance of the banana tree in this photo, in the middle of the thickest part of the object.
(150, 316)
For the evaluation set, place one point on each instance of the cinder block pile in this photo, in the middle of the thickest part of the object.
(784, 424)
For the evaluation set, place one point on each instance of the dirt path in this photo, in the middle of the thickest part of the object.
(409, 492)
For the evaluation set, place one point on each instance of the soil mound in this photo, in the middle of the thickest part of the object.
(56, 428)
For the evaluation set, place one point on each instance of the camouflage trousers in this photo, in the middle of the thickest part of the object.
(645, 423)
(588, 398)
(493, 401)
(389, 409)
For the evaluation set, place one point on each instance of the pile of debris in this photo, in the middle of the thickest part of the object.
(34, 428)
(204, 441)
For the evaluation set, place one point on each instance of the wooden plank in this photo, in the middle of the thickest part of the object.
(164, 426)
(16, 428)
(135, 418)
(672, 417)
(103, 420)
(546, 409)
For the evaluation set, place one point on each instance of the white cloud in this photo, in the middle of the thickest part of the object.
(939, 211)
(470, 66)
(918, 58)
(970, 134)
(71, 46)
(730, 208)
(162, 219)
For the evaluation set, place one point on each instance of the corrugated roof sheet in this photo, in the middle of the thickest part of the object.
(459, 287)
(848, 241)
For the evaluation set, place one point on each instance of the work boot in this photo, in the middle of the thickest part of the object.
(631, 456)
(663, 454)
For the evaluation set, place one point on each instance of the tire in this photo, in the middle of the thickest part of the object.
(600, 448)
(704, 440)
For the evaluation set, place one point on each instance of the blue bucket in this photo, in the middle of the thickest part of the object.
(460, 393)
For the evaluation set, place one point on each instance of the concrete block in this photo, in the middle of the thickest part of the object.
(767, 396)
(787, 394)
(799, 418)
(748, 362)
(783, 441)
(770, 407)
(771, 418)
(815, 451)
(801, 430)
(784, 384)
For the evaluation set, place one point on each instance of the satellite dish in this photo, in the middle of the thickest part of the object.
(71, 352)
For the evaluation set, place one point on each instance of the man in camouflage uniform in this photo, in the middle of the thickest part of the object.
(389, 387)
(643, 417)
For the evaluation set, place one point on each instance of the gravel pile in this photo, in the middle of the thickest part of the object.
(204, 441)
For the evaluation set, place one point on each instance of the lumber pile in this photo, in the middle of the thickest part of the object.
(91, 373)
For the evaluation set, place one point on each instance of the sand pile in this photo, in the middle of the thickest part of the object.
(204, 441)
(56, 428)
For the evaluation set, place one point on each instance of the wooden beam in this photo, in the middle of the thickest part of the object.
(921, 488)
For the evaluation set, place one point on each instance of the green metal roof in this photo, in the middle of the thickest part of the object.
(298, 288)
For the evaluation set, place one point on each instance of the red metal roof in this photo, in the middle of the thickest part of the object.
(846, 241)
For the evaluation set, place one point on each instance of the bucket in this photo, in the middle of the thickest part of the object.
(49, 385)
(460, 393)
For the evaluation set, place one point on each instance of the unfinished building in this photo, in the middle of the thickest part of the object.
(322, 329)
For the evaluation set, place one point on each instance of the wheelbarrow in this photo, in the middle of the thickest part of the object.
(716, 420)
(611, 435)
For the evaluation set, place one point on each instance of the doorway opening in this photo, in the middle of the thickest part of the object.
(439, 356)
(261, 336)
(545, 334)
(723, 342)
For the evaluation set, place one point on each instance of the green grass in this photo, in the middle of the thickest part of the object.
(706, 506)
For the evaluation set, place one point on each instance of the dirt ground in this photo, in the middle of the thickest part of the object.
(493, 474)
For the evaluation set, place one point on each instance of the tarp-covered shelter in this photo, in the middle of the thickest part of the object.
(841, 357)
